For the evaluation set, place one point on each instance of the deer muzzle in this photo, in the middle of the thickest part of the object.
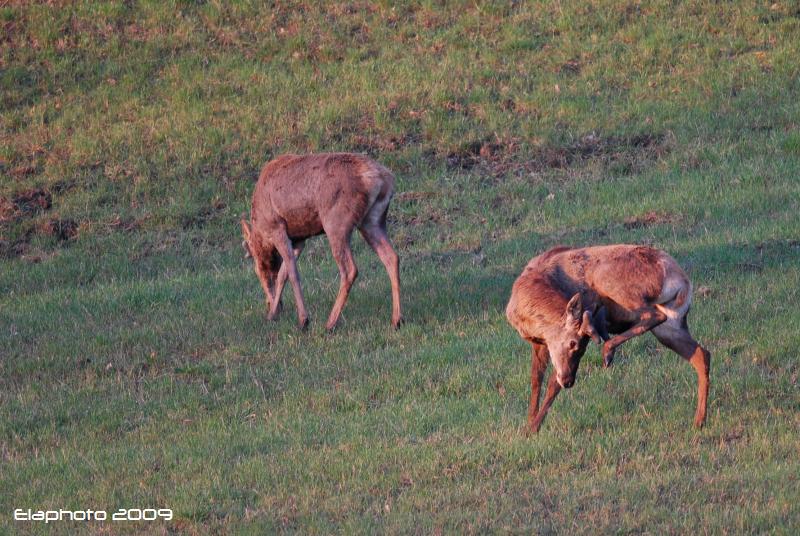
(566, 381)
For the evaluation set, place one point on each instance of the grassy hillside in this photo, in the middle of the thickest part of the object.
(137, 369)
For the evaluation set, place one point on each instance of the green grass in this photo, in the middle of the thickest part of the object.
(136, 367)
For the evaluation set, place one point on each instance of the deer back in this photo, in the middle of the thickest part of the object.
(302, 190)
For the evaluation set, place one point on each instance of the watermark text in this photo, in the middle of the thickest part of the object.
(122, 514)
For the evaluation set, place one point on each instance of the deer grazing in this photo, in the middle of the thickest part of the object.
(566, 296)
(298, 197)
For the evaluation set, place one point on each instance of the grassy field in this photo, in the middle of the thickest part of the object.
(136, 366)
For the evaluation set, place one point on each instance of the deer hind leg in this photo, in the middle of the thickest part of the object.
(374, 233)
(342, 254)
(675, 336)
(539, 359)
(286, 251)
(283, 274)
(648, 318)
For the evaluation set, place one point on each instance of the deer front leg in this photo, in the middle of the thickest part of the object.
(287, 254)
(283, 274)
(539, 360)
(648, 318)
(264, 278)
(600, 322)
(553, 388)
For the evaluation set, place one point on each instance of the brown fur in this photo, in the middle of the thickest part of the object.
(298, 197)
(566, 296)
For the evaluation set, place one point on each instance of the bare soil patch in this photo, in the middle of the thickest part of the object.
(375, 145)
(61, 229)
(496, 154)
(25, 203)
(621, 150)
(620, 154)
(650, 218)
(203, 216)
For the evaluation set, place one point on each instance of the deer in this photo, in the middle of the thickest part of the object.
(301, 196)
(566, 297)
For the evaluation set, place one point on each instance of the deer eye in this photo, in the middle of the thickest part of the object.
(573, 344)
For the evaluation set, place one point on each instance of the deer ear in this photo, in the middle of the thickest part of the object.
(587, 328)
(575, 308)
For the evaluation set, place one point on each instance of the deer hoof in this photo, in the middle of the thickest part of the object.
(396, 323)
(303, 323)
(608, 355)
(531, 429)
(699, 421)
(273, 314)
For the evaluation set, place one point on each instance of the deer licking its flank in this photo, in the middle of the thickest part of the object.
(298, 197)
(566, 296)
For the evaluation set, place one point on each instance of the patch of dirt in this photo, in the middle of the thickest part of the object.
(620, 154)
(610, 150)
(125, 224)
(9, 30)
(25, 203)
(495, 154)
(508, 105)
(17, 247)
(571, 67)
(59, 187)
(23, 170)
(777, 14)
(7, 209)
(432, 218)
(33, 200)
(61, 229)
(775, 247)
(204, 215)
(650, 218)
(447, 257)
(37, 256)
(376, 145)
(466, 156)
(413, 196)
(732, 436)
(704, 291)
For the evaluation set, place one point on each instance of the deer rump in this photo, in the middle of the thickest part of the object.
(566, 296)
(298, 197)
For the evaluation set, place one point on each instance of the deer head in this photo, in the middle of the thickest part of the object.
(568, 344)
(266, 258)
